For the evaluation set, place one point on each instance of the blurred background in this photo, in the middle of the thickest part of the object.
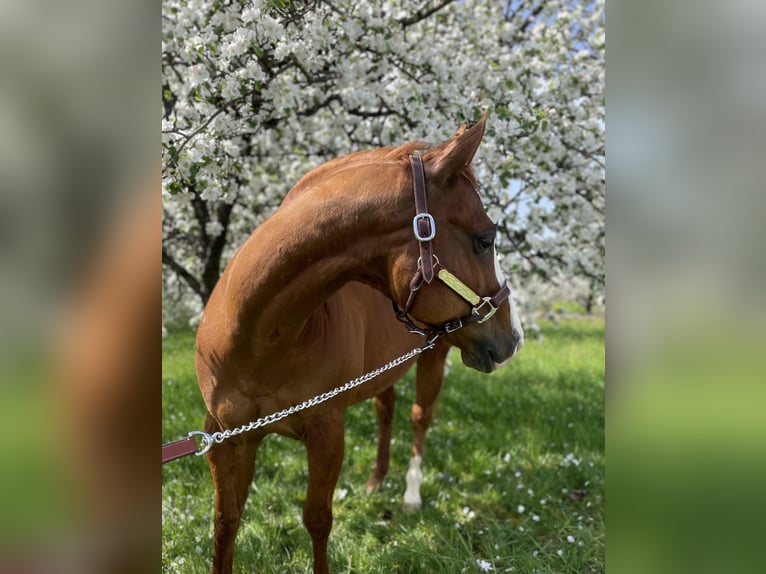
(79, 286)
(685, 437)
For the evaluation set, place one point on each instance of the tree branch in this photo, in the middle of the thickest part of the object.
(422, 14)
(212, 270)
(182, 272)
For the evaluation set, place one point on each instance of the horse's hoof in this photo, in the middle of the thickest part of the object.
(411, 506)
(373, 485)
(412, 501)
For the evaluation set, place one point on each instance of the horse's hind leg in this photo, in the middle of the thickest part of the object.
(232, 464)
(384, 406)
(324, 447)
(430, 377)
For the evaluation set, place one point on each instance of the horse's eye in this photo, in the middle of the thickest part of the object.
(483, 244)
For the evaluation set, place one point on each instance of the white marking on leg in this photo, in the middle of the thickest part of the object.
(414, 480)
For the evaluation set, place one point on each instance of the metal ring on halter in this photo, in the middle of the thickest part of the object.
(419, 264)
(206, 441)
(431, 223)
(493, 309)
(430, 343)
(435, 258)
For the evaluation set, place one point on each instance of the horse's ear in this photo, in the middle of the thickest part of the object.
(451, 157)
(459, 131)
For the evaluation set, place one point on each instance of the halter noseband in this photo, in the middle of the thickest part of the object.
(424, 228)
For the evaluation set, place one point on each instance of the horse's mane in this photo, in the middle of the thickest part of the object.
(368, 157)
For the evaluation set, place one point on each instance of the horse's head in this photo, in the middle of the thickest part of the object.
(463, 291)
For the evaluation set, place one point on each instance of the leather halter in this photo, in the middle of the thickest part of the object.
(424, 228)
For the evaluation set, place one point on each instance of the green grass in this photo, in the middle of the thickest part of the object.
(530, 435)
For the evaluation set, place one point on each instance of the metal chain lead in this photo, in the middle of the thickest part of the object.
(207, 440)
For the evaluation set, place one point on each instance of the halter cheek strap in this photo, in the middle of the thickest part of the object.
(423, 224)
(424, 228)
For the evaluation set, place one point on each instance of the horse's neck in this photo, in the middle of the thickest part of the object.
(297, 259)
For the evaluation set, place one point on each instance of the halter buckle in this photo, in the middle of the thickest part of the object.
(488, 316)
(431, 225)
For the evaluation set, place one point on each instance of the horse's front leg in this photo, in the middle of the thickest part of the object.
(232, 464)
(324, 446)
(430, 377)
(384, 406)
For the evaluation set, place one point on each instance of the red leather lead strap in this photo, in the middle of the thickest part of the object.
(179, 448)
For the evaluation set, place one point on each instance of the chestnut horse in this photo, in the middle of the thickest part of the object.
(290, 318)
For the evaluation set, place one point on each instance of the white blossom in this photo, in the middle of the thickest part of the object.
(213, 228)
(197, 74)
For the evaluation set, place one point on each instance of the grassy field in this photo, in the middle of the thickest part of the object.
(514, 474)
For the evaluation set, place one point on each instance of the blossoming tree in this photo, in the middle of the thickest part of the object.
(257, 93)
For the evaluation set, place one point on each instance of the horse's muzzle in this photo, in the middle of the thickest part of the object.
(488, 354)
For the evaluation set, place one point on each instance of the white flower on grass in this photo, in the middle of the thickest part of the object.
(520, 508)
(560, 552)
(536, 518)
(470, 514)
(341, 493)
(570, 459)
(570, 539)
(484, 565)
